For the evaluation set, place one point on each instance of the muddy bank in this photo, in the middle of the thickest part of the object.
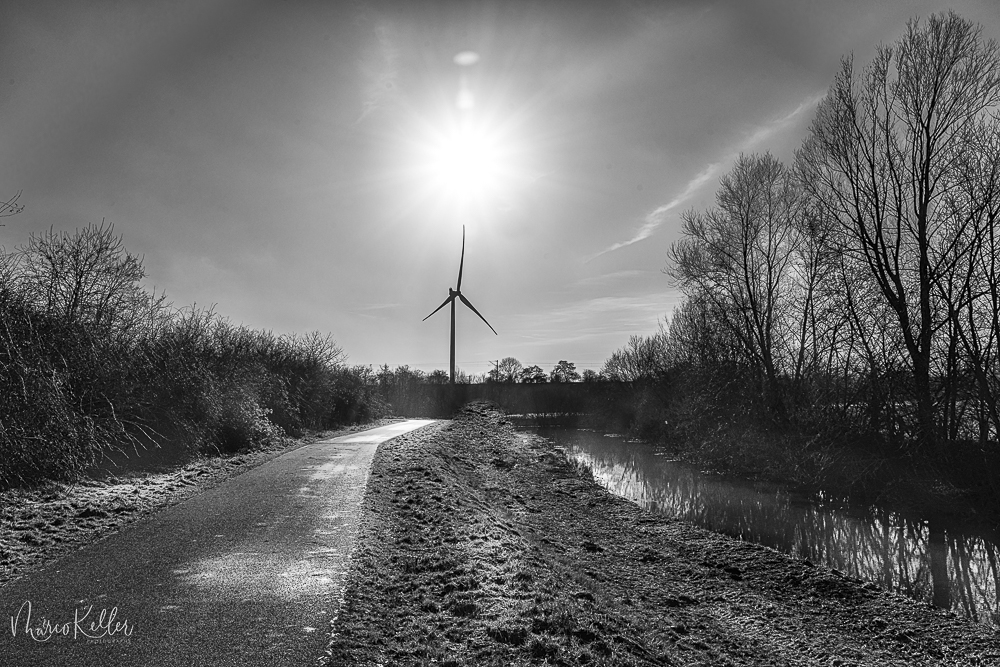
(40, 524)
(483, 546)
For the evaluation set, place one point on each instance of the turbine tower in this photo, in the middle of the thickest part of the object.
(457, 294)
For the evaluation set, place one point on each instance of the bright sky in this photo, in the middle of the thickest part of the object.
(289, 161)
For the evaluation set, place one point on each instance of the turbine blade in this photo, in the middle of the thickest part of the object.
(469, 304)
(461, 263)
(446, 301)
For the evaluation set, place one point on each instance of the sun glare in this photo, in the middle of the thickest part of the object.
(466, 165)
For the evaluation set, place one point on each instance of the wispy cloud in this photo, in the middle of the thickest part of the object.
(375, 310)
(770, 129)
(610, 278)
(656, 217)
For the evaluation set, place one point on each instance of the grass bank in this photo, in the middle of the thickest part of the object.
(480, 545)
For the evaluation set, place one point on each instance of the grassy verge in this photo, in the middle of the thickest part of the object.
(483, 546)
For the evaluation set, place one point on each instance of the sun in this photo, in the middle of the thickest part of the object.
(463, 165)
(466, 164)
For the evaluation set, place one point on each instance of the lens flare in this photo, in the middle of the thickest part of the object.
(466, 58)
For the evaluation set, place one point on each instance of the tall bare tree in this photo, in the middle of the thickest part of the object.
(971, 291)
(883, 154)
(738, 255)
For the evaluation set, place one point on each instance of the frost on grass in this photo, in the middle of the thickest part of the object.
(483, 546)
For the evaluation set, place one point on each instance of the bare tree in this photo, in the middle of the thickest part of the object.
(508, 370)
(882, 155)
(87, 276)
(642, 358)
(738, 255)
(971, 291)
(814, 302)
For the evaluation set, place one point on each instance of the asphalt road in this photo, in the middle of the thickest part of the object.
(247, 573)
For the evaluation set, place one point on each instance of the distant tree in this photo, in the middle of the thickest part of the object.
(564, 371)
(461, 377)
(590, 375)
(533, 374)
(384, 376)
(509, 370)
(407, 376)
(402, 378)
(643, 358)
(437, 376)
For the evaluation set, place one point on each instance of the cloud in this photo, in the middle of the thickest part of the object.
(769, 130)
(375, 310)
(656, 217)
(610, 278)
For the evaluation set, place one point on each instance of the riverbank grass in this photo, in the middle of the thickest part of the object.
(480, 545)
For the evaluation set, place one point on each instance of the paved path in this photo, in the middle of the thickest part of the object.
(247, 573)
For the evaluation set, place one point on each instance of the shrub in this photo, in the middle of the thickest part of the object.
(91, 362)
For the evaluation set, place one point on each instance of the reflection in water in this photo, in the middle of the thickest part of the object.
(924, 558)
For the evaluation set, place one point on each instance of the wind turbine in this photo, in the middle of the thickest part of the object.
(457, 294)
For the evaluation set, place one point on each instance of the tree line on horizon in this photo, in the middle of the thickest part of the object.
(507, 371)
